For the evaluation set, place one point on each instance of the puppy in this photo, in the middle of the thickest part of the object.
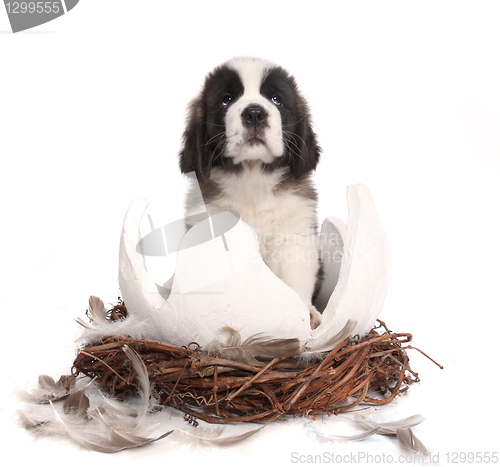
(249, 140)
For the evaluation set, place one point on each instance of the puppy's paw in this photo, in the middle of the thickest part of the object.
(315, 317)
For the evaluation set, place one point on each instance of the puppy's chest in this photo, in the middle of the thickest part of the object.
(264, 207)
(267, 213)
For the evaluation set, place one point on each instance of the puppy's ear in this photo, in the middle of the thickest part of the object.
(194, 155)
(306, 143)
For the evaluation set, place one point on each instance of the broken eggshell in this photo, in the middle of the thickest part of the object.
(224, 282)
(363, 276)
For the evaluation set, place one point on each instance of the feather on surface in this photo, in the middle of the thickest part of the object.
(328, 438)
(72, 426)
(77, 404)
(410, 443)
(48, 390)
(390, 428)
(84, 421)
(209, 437)
(401, 429)
(124, 438)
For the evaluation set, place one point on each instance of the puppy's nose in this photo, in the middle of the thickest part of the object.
(254, 116)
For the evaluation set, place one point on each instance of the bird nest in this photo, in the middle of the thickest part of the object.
(370, 370)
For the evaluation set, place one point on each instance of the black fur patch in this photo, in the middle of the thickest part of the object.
(205, 137)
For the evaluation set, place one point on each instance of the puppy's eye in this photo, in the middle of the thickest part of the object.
(276, 100)
(226, 100)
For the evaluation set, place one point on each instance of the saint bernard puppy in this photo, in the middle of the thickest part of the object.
(250, 142)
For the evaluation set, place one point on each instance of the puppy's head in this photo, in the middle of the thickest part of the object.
(249, 109)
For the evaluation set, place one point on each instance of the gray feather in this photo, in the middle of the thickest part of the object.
(48, 390)
(97, 311)
(28, 423)
(402, 430)
(77, 404)
(89, 441)
(255, 346)
(204, 437)
(391, 428)
(125, 438)
(142, 373)
(410, 443)
(83, 324)
(87, 433)
(324, 438)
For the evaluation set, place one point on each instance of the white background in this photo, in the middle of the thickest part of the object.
(405, 98)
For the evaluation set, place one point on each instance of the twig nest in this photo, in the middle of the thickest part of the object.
(372, 370)
(221, 281)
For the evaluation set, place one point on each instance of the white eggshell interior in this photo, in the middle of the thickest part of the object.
(362, 285)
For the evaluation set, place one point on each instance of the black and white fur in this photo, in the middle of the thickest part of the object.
(249, 140)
